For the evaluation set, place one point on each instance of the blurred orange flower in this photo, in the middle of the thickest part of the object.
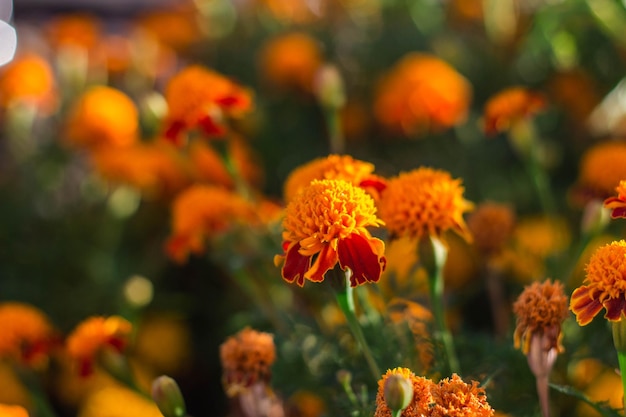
(116, 400)
(421, 401)
(510, 105)
(27, 335)
(80, 30)
(422, 94)
(201, 211)
(176, 27)
(491, 225)
(28, 79)
(455, 398)
(198, 97)
(617, 204)
(102, 117)
(92, 335)
(326, 224)
(601, 169)
(12, 411)
(290, 61)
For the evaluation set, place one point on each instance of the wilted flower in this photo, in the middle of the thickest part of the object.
(326, 224)
(421, 395)
(455, 398)
(491, 225)
(424, 202)
(617, 204)
(246, 359)
(28, 79)
(509, 106)
(420, 94)
(94, 334)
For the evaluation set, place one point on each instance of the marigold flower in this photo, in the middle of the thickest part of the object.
(200, 212)
(176, 27)
(424, 202)
(601, 169)
(333, 167)
(28, 79)
(540, 309)
(491, 225)
(605, 285)
(617, 204)
(422, 398)
(326, 224)
(103, 117)
(508, 106)
(92, 335)
(455, 398)
(75, 30)
(12, 411)
(246, 358)
(27, 335)
(198, 97)
(291, 60)
(420, 94)
(116, 400)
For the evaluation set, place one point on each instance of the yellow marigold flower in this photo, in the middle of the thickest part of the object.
(103, 117)
(422, 93)
(601, 169)
(27, 335)
(333, 167)
(76, 30)
(508, 106)
(291, 60)
(422, 398)
(455, 398)
(118, 401)
(28, 79)
(198, 97)
(12, 411)
(540, 310)
(491, 225)
(200, 212)
(246, 358)
(605, 285)
(424, 202)
(617, 204)
(326, 224)
(93, 334)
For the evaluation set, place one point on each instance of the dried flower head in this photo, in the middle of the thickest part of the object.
(510, 105)
(28, 79)
(326, 224)
(332, 167)
(455, 398)
(617, 205)
(601, 169)
(199, 98)
(424, 202)
(103, 117)
(246, 358)
(422, 399)
(96, 333)
(491, 225)
(540, 310)
(422, 93)
(27, 336)
(605, 285)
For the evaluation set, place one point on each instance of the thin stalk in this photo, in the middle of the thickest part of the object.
(499, 308)
(544, 395)
(335, 134)
(621, 357)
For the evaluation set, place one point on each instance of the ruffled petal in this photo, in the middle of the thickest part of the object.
(295, 265)
(363, 256)
(584, 306)
(614, 308)
(325, 260)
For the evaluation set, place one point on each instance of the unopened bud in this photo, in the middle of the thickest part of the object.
(167, 396)
(344, 377)
(398, 392)
(595, 217)
(329, 88)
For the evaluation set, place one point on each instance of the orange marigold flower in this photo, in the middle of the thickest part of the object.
(617, 204)
(28, 79)
(455, 398)
(508, 106)
(27, 336)
(103, 117)
(540, 309)
(424, 202)
(333, 167)
(492, 225)
(75, 30)
(12, 411)
(94, 334)
(422, 93)
(605, 285)
(422, 398)
(198, 97)
(200, 212)
(326, 224)
(246, 359)
(291, 60)
(176, 27)
(601, 169)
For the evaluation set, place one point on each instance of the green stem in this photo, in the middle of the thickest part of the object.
(619, 341)
(396, 413)
(335, 134)
(621, 357)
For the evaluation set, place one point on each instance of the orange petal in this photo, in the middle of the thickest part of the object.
(295, 265)
(326, 260)
(584, 306)
(362, 256)
(614, 308)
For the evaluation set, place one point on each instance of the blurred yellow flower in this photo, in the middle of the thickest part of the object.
(422, 399)
(326, 224)
(93, 334)
(605, 387)
(12, 411)
(605, 285)
(102, 117)
(601, 169)
(28, 79)
(509, 106)
(420, 94)
(118, 401)
(424, 202)
(455, 398)
(246, 358)
(491, 225)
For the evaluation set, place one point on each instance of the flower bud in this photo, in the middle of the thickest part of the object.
(398, 392)
(329, 88)
(168, 398)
